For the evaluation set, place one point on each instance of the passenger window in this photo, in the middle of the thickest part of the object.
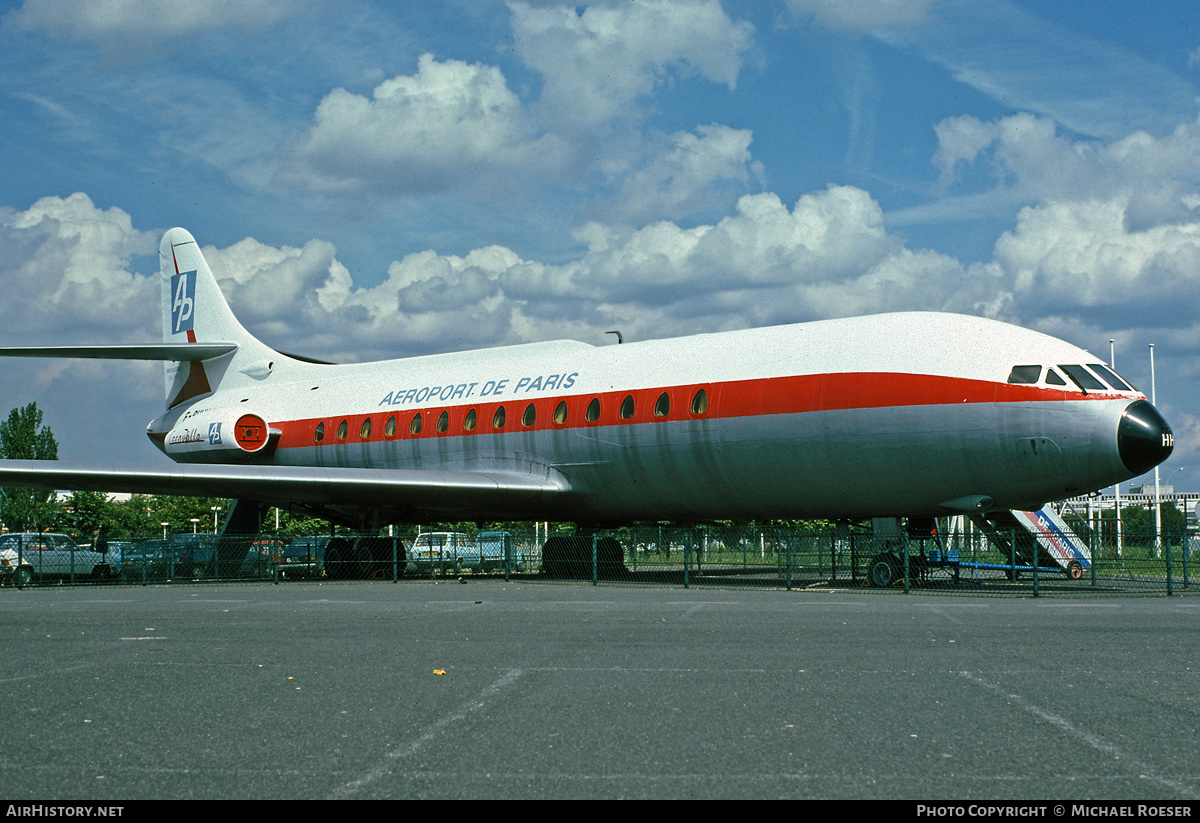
(626, 410)
(443, 422)
(1025, 374)
(1082, 378)
(663, 406)
(342, 430)
(469, 421)
(593, 411)
(365, 431)
(700, 402)
(415, 426)
(1053, 379)
(389, 430)
(319, 435)
(498, 418)
(560, 412)
(1110, 376)
(529, 416)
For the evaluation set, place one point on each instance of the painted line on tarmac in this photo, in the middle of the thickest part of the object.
(1143, 770)
(36, 675)
(348, 790)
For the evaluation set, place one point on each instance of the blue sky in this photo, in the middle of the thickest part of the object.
(379, 180)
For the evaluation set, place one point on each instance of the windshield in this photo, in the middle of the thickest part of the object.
(1083, 378)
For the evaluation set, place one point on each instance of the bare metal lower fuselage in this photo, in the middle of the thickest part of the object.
(834, 464)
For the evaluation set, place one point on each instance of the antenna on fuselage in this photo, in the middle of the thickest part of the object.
(620, 339)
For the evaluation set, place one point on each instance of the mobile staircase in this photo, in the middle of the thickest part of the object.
(1038, 542)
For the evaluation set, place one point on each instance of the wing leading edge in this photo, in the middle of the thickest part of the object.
(445, 492)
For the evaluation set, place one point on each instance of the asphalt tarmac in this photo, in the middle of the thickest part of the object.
(517, 690)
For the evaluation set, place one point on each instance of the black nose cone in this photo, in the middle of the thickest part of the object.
(1143, 438)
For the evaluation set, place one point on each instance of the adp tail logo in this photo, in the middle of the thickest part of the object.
(183, 304)
(214, 434)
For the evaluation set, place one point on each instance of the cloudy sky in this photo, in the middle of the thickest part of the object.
(373, 179)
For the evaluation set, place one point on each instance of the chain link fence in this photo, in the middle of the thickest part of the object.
(713, 556)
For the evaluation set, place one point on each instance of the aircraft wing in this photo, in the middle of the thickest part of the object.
(412, 490)
(153, 351)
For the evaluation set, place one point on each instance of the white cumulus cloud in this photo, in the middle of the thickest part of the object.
(139, 24)
(687, 172)
(599, 63)
(447, 123)
(65, 272)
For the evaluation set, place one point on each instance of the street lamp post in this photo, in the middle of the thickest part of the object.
(1112, 364)
(1157, 504)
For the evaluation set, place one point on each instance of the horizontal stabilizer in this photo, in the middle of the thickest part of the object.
(178, 352)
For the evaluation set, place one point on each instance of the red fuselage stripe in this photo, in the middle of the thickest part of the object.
(733, 399)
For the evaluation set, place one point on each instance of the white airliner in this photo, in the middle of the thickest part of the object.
(912, 414)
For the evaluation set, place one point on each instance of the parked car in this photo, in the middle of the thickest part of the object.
(187, 556)
(495, 550)
(364, 558)
(129, 561)
(304, 558)
(443, 551)
(262, 556)
(29, 556)
(203, 556)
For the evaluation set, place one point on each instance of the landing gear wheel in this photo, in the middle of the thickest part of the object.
(882, 571)
(1074, 570)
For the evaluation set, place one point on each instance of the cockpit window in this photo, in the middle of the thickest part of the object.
(1053, 379)
(1025, 374)
(1082, 378)
(1109, 376)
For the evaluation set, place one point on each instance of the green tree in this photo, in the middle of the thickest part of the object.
(1137, 523)
(178, 513)
(87, 513)
(23, 437)
(131, 518)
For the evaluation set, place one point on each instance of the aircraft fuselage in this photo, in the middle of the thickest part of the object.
(902, 414)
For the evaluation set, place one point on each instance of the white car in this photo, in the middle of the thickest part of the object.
(29, 556)
(442, 551)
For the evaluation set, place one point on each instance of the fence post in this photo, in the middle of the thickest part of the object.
(1169, 589)
(1184, 545)
(1035, 568)
(833, 556)
(853, 562)
(687, 557)
(1094, 548)
(1012, 553)
(790, 553)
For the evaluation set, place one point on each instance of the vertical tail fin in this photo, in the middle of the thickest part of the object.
(195, 311)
